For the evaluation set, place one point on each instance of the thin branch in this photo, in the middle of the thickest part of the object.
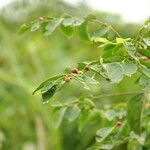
(118, 94)
(115, 31)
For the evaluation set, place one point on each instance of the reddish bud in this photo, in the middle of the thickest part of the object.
(75, 71)
(67, 78)
(119, 124)
(86, 68)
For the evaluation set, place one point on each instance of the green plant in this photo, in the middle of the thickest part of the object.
(122, 124)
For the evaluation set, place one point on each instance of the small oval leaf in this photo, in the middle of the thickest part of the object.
(135, 112)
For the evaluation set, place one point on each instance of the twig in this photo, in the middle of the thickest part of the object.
(117, 94)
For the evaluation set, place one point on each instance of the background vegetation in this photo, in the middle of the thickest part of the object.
(25, 123)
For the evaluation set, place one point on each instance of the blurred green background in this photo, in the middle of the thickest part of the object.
(25, 61)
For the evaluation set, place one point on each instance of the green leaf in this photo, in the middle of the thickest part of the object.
(23, 29)
(147, 41)
(120, 40)
(35, 26)
(72, 113)
(114, 72)
(83, 119)
(145, 70)
(52, 25)
(47, 86)
(117, 48)
(81, 65)
(100, 32)
(103, 133)
(60, 116)
(68, 21)
(123, 133)
(57, 104)
(68, 70)
(98, 146)
(54, 78)
(89, 103)
(67, 30)
(90, 80)
(138, 138)
(106, 147)
(144, 81)
(108, 51)
(47, 94)
(147, 141)
(144, 52)
(110, 115)
(134, 145)
(145, 63)
(90, 17)
(98, 71)
(130, 49)
(129, 69)
(101, 39)
(84, 35)
(80, 79)
(135, 112)
(78, 21)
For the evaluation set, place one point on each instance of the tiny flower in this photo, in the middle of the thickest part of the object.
(67, 78)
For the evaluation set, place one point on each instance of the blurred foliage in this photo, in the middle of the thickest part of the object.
(25, 61)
